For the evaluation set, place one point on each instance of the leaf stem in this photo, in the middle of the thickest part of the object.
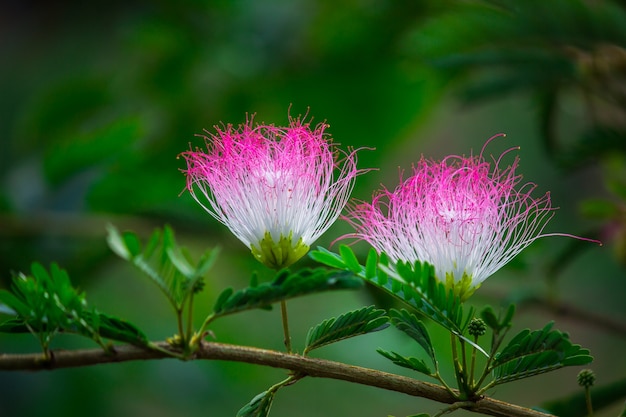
(188, 336)
(457, 367)
(464, 361)
(473, 365)
(454, 407)
(283, 313)
(496, 340)
(197, 337)
(181, 328)
(438, 377)
(156, 347)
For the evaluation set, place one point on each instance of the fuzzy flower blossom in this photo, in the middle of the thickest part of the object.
(276, 188)
(464, 215)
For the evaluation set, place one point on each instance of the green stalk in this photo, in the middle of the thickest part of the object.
(473, 364)
(464, 359)
(458, 371)
(495, 344)
(454, 407)
(438, 377)
(194, 341)
(588, 401)
(179, 320)
(167, 352)
(189, 323)
(283, 312)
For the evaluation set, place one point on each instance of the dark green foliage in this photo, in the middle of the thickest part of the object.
(353, 323)
(531, 353)
(168, 265)
(561, 51)
(521, 45)
(285, 285)
(407, 362)
(46, 303)
(259, 406)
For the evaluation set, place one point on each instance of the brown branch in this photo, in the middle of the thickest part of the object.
(304, 366)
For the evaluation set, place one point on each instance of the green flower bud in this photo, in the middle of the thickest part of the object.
(477, 327)
(586, 378)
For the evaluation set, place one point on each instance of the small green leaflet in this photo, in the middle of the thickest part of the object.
(285, 285)
(407, 362)
(259, 406)
(409, 324)
(353, 323)
(531, 353)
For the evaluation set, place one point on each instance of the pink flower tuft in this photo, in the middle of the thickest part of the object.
(462, 215)
(276, 188)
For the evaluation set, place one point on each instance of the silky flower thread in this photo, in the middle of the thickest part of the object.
(276, 188)
(464, 215)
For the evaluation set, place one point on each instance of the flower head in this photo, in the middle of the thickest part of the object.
(465, 216)
(276, 188)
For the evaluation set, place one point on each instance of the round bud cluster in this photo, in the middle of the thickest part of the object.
(477, 327)
(586, 378)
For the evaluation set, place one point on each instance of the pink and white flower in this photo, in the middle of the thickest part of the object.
(276, 188)
(465, 216)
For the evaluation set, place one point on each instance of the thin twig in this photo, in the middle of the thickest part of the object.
(304, 366)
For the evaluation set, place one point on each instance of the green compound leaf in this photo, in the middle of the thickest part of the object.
(407, 362)
(168, 265)
(531, 353)
(284, 286)
(46, 303)
(259, 406)
(354, 323)
(412, 326)
(415, 285)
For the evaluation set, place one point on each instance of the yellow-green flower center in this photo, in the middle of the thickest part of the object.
(279, 254)
(463, 288)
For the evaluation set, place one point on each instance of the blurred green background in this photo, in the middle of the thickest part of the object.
(98, 99)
